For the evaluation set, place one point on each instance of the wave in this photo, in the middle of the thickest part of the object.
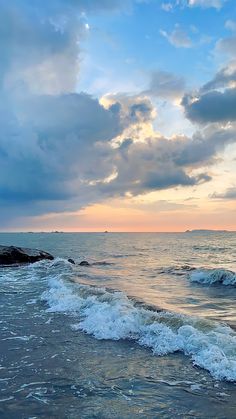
(209, 248)
(178, 270)
(109, 314)
(214, 276)
(201, 275)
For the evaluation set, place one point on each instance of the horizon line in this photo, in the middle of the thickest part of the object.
(112, 232)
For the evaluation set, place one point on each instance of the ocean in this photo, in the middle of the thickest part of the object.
(147, 330)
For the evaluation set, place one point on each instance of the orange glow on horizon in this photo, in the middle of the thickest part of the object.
(102, 217)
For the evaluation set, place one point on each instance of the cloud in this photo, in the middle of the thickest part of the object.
(227, 46)
(166, 85)
(216, 100)
(160, 163)
(213, 106)
(178, 38)
(202, 147)
(231, 25)
(149, 165)
(226, 77)
(229, 194)
(59, 153)
(44, 146)
(55, 145)
(36, 48)
(40, 43)
(134, 109)
(46, 132)
(204, 4)
(217, 4)
(55, 150)
(168, 7)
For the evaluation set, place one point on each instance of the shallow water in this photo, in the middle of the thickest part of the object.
(72, 350)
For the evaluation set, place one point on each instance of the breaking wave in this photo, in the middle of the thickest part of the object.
(214, 276)
(109, 314)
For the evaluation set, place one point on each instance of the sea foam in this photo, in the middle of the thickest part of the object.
(214, 276)
(108, 314)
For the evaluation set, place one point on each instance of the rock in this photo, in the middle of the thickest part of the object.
(10, 255)
(71, 261)
(84, 263)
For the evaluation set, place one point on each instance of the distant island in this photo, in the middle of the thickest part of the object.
(56, 232)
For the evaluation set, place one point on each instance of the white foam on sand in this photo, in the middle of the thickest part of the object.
(214, 276)
(112, 315)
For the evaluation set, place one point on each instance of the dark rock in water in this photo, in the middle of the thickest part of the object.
(84, 263)
(10, 255)
(71, 261)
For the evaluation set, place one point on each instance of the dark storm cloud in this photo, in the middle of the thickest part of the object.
(215, 101)
(49, 144)
(213, 106)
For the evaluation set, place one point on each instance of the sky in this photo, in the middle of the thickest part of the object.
(117, 115)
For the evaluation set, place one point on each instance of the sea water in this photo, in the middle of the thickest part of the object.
(147, 330)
